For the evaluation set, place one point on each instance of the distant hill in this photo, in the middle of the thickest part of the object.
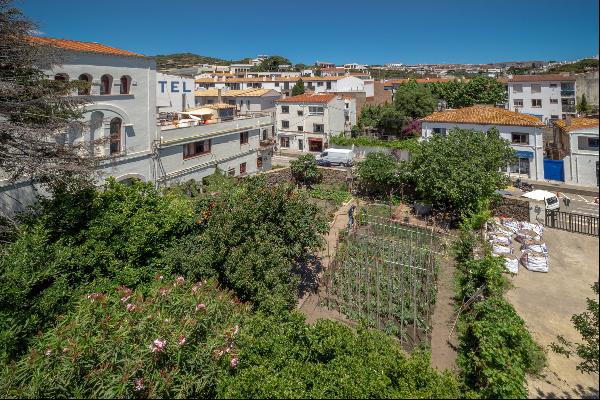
(164, 61)
(585, 65)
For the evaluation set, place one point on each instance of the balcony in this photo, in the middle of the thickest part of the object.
(568, 108)
(188, 129)
(267, 143)
(567, 92)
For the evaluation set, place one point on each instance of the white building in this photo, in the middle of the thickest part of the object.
(174, 93)
(121, 116)
(547, 97)
(306, 122)
(355, 66)
(524, 132)
(284, 85)
(577, 139)
(245, 101)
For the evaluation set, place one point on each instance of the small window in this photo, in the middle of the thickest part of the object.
(86, 81)
(242, 168)
(536, 103)
(318, 128)
(196, 149)
(553, 101)
(315, 110)
(300, 128)
(439, 131)
(518, 102)
(125, 84)
(520, 138)
(347, 105)
(244, 137)
(284, 142)
(285, 109)
(265, 134)
(276, 84)
(553, 85)
(231, 172)
(105, 84)
(259, 162)
(518, 88)
(285, 124)
(319, 83)
(300, 113)
(115, 136)
(328, 85)
(536, 88)
(554, 117)
(593, 143)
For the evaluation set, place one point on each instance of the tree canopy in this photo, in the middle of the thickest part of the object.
(272, 63)
(478, 90)
(298, 88)
(414, 100)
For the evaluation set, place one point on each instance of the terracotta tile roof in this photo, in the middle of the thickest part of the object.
(537, 78)
(274, 79)
(576, 124)
(420, 80)
(235, 93)
(74, 45)
(308, 98)
(484, 115)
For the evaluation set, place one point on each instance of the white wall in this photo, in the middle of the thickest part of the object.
(547, 110)
(536, 164)
(174, 93)
(581, 164)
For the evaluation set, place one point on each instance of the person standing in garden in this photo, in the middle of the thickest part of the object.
(351, 216)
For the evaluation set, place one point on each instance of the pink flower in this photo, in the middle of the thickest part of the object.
(236, 329)
(234, 362)
(181, 340)
(201, 307)
(158, 345)
(138, 384)
(95, 296)
(196, 287)
(179, 280)
(131, 307)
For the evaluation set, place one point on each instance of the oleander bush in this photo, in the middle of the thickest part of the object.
(172, 340)
(283, 357)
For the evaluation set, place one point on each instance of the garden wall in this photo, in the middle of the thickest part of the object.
(331, 176)
(511, 207)
(362, 151)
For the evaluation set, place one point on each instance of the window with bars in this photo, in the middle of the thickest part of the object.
(244, 137)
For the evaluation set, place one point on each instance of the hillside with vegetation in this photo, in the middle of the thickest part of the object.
(176, 60)
(585, 65)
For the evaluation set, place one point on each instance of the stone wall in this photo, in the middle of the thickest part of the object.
(331, 176)
(511, 207)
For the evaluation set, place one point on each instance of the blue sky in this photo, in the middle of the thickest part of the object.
(371, 32)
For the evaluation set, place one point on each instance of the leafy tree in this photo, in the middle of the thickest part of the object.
(391, 121)
(370, 115)
(583, 106)
(282, 357)
(36, 112)
(460, 171)
(378, 174)
(414, 100)
(318, 72)
(305, 171)
(478, 90)
(298, 88)
(586, 324)
(272, 63)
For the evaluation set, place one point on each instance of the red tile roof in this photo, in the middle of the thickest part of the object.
(484, 115)
(537, 78)
(308, 98)
(576, 124)
(75, 45)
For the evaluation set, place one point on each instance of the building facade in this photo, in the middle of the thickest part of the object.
(523, 132)
(305, 123)
(246, 101)
(546, 97)
(577, 139)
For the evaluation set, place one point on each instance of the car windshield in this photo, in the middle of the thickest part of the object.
(551, 200)
(324, 154)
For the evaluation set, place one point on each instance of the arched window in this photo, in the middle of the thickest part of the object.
(86, 81)
(125, 84)
(105, 84)
(115, 135)
(61, 77)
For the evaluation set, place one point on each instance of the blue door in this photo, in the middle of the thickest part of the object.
(554, 170)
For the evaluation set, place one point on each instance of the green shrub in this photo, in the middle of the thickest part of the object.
(378, 174)
(173, 342)
(305, 171)
(496, 351)
(405, 144)
(282, 357)
(338, 195)
(488, 271)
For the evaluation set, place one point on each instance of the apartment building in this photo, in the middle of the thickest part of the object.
(284, 84)
(245, 101)
(305, 123)
(577, 142)
(524, 132)
(547, 97)
(123, 108)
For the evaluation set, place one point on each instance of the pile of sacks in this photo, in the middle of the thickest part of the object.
(506, 235)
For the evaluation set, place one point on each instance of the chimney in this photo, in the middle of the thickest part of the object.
(568, 120)
(219, 99)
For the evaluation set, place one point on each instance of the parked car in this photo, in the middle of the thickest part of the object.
(330, 157)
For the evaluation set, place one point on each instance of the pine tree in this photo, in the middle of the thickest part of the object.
(298, 88)
(583, 106)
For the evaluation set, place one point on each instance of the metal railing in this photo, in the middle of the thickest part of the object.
(578, 223)
(567, 92)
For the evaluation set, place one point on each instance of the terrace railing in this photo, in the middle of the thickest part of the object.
(578, 223)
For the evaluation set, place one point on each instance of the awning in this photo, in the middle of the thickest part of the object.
(202, 111)
(540, 195)
(524, 154)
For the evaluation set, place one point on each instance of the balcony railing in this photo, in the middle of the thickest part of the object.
(569, 108)
(567, 92)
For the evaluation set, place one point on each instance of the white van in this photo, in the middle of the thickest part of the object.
(343, 157)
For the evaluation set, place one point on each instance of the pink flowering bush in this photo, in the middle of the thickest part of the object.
(161, 344)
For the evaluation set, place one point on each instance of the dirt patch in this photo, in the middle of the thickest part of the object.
(546, 301)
